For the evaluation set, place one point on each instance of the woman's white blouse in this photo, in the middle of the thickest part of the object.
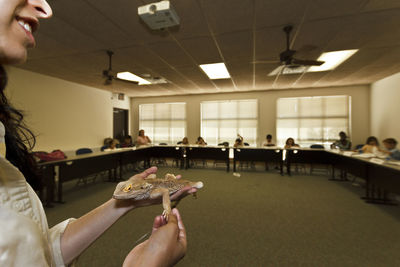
(25, 238)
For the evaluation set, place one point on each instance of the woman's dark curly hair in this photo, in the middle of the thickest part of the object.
(19, 139)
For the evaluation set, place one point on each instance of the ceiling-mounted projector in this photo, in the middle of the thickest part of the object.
(158, 15)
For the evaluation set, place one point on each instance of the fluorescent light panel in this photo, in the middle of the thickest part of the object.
(216, 71)
(332, 59)
(128, 76)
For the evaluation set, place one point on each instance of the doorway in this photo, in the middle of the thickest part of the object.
(120, 123)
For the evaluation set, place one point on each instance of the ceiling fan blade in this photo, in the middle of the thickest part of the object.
(305, 62)
(108, 81)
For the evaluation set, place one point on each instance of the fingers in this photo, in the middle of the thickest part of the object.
(182, 230)
(147, 172)
(158, 222)
(183, 192)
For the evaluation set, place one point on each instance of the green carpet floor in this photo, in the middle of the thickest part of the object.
(258, 219)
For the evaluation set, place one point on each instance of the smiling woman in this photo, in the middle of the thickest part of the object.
(26, 239)
(18, 20)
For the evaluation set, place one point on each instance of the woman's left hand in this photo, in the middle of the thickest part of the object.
(187, 190)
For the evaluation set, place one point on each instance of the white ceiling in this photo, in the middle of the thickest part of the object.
(72, 44)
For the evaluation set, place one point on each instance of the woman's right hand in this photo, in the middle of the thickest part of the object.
(165, 247)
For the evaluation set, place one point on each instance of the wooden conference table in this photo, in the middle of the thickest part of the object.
(380, 176)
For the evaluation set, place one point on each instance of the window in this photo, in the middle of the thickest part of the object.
(163, 122)
(312, 120)
(221, 121)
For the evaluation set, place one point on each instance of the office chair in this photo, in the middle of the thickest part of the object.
(216, 162)
(247, 164)
(160, 161)
(82, 151)
(323, 168)
(84, 180)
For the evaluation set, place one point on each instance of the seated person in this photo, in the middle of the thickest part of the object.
(238, 141)
(200, 141)
(114, 144)
(185, 141)
(106, 143)
(390, 145)
(343, 143)
(127, 141)
(372, 145)
(290, 143)
(142, 139)
(268, 141)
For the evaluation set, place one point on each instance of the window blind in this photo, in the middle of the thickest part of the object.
(221, 121)
(163, 122)
(312, 120)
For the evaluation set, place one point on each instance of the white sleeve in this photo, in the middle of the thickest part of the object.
(55, 234)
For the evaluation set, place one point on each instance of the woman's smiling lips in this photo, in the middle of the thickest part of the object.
(29, 25)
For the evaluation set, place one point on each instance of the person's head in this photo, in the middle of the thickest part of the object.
(290, 141)
(269, 137)
(185, 141)
(372, 141)
(141, 133)
(200, 139)
(390, 143)
(114, 143)
(18, 20)
(128, 139)
(342, 135)
(107, 141)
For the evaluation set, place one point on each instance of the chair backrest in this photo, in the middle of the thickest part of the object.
(179, 143)
(359, 146)
(162, 144)
(224, 144)
(246, 144)
(316, 146)
(82, 151)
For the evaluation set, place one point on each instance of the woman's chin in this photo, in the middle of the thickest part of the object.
(15, 58)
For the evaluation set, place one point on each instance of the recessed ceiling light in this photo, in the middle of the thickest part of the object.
(332, 59)
(128, 76)
(216, 71)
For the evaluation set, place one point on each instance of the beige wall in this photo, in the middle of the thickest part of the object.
(267, 108)
(385, 108)
(62, 114)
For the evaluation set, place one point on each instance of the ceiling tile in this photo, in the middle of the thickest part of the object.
(274, 13)
(229, 16)
(320, 9)
(171, 53)
(236, 46)
(202, 49)
(373, 5)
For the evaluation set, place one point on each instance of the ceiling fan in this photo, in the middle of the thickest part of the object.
(109, 74)
(286, 57)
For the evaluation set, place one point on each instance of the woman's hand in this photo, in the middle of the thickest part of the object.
(165, 247)
(131, 203)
